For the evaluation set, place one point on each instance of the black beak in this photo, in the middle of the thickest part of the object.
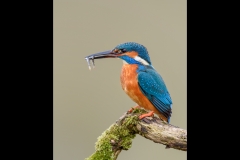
(105, 54)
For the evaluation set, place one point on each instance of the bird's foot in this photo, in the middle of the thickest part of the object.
(130, 110)
(149, 114)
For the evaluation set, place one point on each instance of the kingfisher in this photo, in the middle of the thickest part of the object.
(139, 79)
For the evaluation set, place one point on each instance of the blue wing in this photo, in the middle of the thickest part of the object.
(153, 86)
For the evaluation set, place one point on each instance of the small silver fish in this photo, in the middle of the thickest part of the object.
(88, 59)
(104, 54)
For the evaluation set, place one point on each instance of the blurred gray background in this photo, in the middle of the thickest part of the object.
(87, 102)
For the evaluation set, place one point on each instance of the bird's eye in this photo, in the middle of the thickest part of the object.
(119, 51)
(124, 50)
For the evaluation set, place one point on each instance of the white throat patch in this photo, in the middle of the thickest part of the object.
(139, 59)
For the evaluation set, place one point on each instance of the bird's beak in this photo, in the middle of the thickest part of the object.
(105, 54)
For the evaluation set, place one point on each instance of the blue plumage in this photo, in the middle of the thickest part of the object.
(154, 88)
(130, 60)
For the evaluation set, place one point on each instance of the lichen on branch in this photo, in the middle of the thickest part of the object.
(119, 135)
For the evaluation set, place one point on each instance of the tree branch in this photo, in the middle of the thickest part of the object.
(119, 135)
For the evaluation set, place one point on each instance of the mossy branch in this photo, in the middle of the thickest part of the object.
(119, 135)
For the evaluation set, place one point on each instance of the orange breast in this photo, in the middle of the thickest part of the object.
(130, 85)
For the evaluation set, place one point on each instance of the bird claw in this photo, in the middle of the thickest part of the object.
(149, 114)
(131, 110)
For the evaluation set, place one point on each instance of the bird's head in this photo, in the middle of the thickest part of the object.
(130, 52)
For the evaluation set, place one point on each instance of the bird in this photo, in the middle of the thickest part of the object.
(139, 79)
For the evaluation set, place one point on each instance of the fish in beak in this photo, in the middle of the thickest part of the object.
(105, 54)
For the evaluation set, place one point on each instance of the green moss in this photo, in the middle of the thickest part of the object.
(119, 134)
(103, 147)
